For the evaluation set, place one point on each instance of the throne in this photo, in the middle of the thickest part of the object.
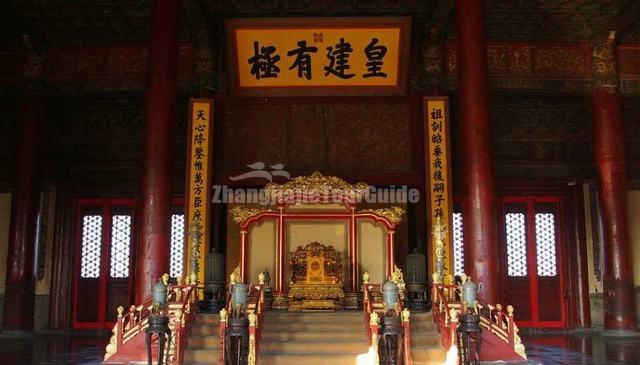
(316, 278)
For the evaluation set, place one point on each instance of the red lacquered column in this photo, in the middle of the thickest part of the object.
(582, 311)
(21, 272)
(159, 123)
(479, 204)
(619, 299)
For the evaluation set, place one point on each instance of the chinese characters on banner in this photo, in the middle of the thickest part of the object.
(315, 54)
(439, 173)
(198, 176)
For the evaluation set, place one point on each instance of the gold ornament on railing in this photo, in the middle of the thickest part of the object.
(365, 277)
(373, 319)
(439, 232)
(223, 315)
(405, 315)
(194, 243)
(253, 319)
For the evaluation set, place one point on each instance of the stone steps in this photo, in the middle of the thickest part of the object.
(204, 341)
(312, 338)
(335, 338)
(425, 340)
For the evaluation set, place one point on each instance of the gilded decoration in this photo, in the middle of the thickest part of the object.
(242, 213)
(393, 214)
(316, 185)
(316, 278)
(604, 63)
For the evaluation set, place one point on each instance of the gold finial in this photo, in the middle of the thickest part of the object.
(132, 308)
(510, 310)
(499, 307)
(365, 277)
(252, 319)
(165, 279)
(120, 310)
(223, 315)
(405, 315)
(261, 278)
(373, 320)
(453, 313)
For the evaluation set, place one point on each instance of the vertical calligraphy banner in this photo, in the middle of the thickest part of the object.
(198, 185)
(438, 175)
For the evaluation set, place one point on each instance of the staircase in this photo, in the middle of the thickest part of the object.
(425, 340)
(204, 340)
(312, 338)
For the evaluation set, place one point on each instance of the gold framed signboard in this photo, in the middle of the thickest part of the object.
(198, 194)
(318, 56)
(438, 179)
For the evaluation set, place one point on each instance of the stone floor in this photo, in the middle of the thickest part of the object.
(573, 349)
(590, 348)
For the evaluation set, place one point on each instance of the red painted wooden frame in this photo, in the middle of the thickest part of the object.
(104, 205)
(530, 202)
(281, 218)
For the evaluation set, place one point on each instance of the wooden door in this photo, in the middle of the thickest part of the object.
(104, 262)
(531, 249)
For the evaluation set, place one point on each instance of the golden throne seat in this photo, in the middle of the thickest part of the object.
(316, 278)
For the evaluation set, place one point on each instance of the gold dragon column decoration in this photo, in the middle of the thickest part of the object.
(439, 232)
(194, 243)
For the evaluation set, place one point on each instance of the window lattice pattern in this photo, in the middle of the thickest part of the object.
(458, 248)
(546, 244)
(516, 245)
(177, 245)
(91, 245)
(120, 246)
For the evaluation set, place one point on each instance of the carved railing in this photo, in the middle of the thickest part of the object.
(127, 340)
(255, 314)
(372, 309)
(499, 327)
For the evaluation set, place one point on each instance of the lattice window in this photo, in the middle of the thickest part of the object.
(516, 244)
(546, 244)
(91, 246)
(120, 246)
(458, 247)
(177, 245)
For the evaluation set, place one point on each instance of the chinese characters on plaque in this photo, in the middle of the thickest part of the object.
(318, 56)
(438, 171)
(198, 175)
